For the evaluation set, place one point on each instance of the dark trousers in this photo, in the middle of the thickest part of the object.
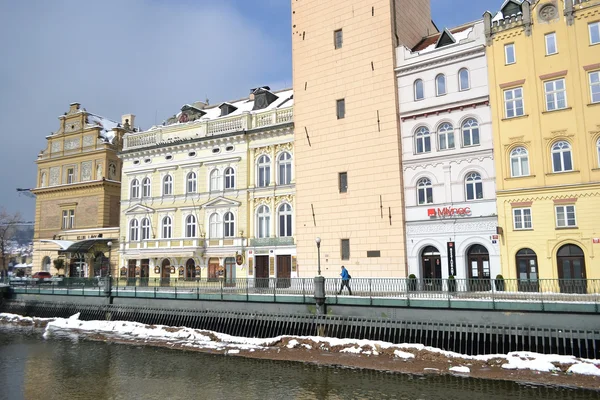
(346, 283)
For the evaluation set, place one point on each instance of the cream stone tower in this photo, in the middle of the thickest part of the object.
(348, 150)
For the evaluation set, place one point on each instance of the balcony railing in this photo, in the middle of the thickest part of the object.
(219, 126)
(271, 242)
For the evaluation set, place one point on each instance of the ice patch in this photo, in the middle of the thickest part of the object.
(292, 343)
(403, 354)
(354, 350)
(462, 370)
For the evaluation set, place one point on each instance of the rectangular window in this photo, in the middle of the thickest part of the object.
(565, 216)
(556, 95)
(338, 39)
(68, 219)
(594, 28)
(513, 102)
(71, 219)
(522, 218)
(551, 47)
(509, 54)
(343, 179)
(341, 108)
(595, 86)
(70, 175)
(345, 249)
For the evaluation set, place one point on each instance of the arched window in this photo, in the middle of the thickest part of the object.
(285, 220)
(519, 162)
(215, 180)
(229, 224)
(135, 189)
(264, 171)
(285, 168)
(134, 230)
(229, 178)
(446, 136)
(463, 79)
(474, 186)
(215, 226)
(440, 85)
(46, 263)
(167, 228)
(561, 157)
(146, 187)
(168, 185)
(263, 215)
(598, 151)
(424, 191)
(145, 229)
(470, 132)
(192, 183)
(419, 90)
(190, 226)
(422, 140)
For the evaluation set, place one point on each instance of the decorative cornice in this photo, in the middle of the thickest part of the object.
(429, 64)
(446, 110)
(512, 84)
(569, 200)
(557, 74)
(521, 204)
(591, 67)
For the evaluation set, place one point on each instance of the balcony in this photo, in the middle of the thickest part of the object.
(272, 242)
(200, 129)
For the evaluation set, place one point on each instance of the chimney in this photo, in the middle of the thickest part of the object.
(128, 122)
(200, 105)
(74, 107)
(487, 27)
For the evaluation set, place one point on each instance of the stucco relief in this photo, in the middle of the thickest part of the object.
(88, 140)
(54, 176)
(72, 144)
(262, 150)
(72, 126)
(44, 180)
(262, 201)
(99, 174)
(548, 12)
(284, 147)
(451, 228)
(86, 171)
(284, 199)
(56, 147)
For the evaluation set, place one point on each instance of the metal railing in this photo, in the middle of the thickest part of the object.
(504, 290)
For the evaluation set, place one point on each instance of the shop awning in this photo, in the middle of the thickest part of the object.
(84, 246)
(63, 244)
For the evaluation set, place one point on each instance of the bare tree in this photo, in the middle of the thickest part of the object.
(8, 230)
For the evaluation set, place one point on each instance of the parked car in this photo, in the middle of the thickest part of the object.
(42, 275)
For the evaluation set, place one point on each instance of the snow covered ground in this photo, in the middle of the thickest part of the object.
(202, 339)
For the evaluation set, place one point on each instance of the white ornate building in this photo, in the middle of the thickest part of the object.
(211, 192)
(447, 159)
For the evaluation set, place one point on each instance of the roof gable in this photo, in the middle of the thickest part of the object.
(221, 202)
(445, 39)
(139, 209)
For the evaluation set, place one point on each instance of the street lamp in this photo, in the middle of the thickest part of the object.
(318, 241)
(109, 244)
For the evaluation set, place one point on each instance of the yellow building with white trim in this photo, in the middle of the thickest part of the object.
(544, 70)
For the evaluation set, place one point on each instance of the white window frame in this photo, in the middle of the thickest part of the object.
(594, 85)
(424, 186)
(191, 182)
(284, 214)
(263, 222)
(510, 46)
(550, 90)
(215, 226)
(467, 129)
(167, 227)
(146, 188)
(229, 178)
(71, 175)
(473, 179)
(416, 90)
(556, 149)
(135, 189)
(437, 85)
(263, 178)
(520, 222)
(190, 226)
(229, 225)
(564, 210)
(446, 131)
(521, 155)
(423, 135)
(134, 230)
(550, 39)
(145, 230)
(284, 162)
(594, 26)
(71, 219)
(167, 185)
(215, 180)
(461, 80)
(515, 101)
(65, 219)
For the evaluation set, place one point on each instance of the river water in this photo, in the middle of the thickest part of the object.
(71, 367)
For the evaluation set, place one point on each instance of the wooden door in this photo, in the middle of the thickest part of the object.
(213, 269)
(284, 271)
(165, 273)
(144, 272)
(261, 271)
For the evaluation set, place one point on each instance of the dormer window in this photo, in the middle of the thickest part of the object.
(445, 39)
(511, 8)
(263, 97)
(227, 109)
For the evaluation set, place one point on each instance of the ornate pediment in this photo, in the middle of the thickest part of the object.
(221, 202)
(139, 209)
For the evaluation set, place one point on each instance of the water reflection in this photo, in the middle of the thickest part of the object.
(68, 368)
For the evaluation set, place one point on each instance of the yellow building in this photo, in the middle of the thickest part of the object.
(211, 193)
(544, 70)
(78, 193)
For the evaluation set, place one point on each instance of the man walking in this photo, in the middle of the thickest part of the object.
(345, 280)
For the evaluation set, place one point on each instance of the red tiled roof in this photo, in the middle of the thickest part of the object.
(428, 41)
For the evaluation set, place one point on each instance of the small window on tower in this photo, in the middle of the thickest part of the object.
(343, 178)
(341, 108)
(338, 39)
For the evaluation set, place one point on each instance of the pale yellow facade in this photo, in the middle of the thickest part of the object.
(546, 126)
(344, 50)
(205, 223)
(78, 192)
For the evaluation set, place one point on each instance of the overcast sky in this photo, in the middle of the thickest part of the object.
(146, 57)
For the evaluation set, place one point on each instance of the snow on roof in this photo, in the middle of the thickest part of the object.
(243, 106)
(105, 124)
(500, 15)
(430, 43)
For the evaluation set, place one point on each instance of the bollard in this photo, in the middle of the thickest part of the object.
(320, 302)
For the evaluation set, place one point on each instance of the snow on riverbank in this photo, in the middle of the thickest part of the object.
(202, 339)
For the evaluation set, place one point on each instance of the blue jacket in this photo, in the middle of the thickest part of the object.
(345, 275)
